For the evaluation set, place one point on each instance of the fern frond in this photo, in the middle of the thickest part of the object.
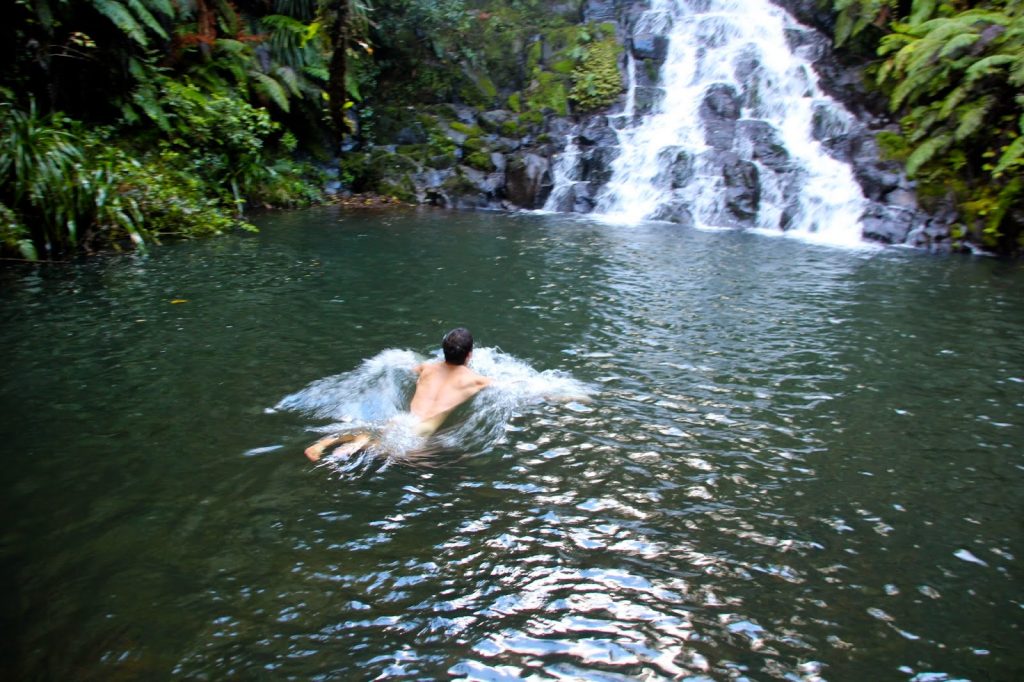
(123, 19)
(958, 42)
(271, 88)
(926, 152)
(318, 72)
(165, 7)
(288, 76)
(230, 46)
(953, 100)
(144, 15)
(972, 117)
(987, 66)
(1016, 77)
(1013, 155)
(922, 10)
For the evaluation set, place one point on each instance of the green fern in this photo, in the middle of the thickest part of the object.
(925, 152)
(972, 117)
(269, 87)
(123, 19)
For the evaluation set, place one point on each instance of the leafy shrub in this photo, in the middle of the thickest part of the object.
(954, 72)
(596, 80)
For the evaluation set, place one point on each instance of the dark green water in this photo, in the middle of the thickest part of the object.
(798, 462)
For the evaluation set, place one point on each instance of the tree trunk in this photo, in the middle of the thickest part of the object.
(336, 94)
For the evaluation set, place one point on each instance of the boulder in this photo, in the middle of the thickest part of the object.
(765, 144)
(742, 187)
(595, 130)
(674, 211)
(719, 111)
(887, 224)
(600, 10)
(596, 163)
(528, 180)
(647, 99)
(649, 46)
(876, 177)
(491, 121)
(676, 167)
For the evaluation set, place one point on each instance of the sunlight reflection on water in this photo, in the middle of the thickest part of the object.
(779, 472)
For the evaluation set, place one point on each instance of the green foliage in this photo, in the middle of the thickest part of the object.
(954, 71)
(134, 17)
(52, 183)
(596, 80)
(480, 160)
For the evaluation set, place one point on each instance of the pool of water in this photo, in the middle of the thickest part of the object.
(795, 462)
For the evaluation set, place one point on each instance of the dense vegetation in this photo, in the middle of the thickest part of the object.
(125, 121)
(954, 72)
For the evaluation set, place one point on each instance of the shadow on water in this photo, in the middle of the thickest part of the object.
(796, 462)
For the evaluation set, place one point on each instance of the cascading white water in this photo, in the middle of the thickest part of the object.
(761, 168)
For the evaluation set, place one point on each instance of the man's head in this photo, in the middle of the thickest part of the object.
(457, 345)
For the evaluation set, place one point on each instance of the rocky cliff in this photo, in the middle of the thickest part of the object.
(496, 145)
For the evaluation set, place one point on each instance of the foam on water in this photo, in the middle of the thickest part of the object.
(374, 397)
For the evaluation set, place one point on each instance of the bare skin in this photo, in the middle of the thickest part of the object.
(440, 388)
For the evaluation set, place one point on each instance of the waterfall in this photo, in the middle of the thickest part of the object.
(724, 136)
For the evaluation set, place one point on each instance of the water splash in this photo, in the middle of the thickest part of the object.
(374, 398)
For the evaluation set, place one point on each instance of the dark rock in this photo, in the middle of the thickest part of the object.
(887, 224)
(469, 188)
(648, 99)
(808, 44)
(596, 131)
(528, 180)
(596, 163)
(765, 144)
(719, 111)
(831, 127)
(578, 197)
(742, 186)
(600, 10)
(413, 134)
(650, 46)
(491, 121)
(876, 177)
(584, 197)
(463, 113)
(557, 126)
(811, 12)
(789, 214)
(674, 211)
(676, 165)
(498, 161)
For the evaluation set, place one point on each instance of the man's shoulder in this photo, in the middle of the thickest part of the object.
(478, 380)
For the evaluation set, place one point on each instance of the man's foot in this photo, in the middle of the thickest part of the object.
(352, 447)
(314, 452)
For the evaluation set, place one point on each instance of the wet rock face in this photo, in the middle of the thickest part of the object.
(649, 46)
(719, 111)
(743, 187)
(494, 160)
(528, 180)
(765, 144)
(677, 166)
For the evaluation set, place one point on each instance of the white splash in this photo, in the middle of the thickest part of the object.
(374, 398)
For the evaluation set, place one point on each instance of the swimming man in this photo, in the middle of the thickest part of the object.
(440, 388)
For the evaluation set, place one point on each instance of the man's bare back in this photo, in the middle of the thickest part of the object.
(441, 387)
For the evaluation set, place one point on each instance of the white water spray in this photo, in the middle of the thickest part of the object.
(374, 398)
(672, 165)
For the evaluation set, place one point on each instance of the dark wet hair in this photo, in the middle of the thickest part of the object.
(457, 345)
